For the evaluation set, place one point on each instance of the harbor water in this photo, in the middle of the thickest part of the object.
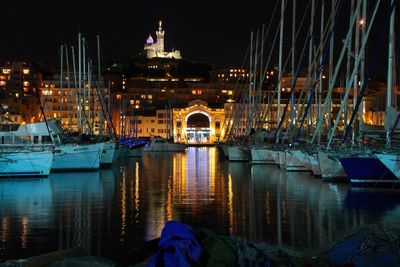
(114, 210)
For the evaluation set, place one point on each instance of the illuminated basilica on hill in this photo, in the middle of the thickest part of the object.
(156, 49)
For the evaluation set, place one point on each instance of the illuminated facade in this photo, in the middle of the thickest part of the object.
(156, 49)
(64, 105)
(17, 91)
(196, 123)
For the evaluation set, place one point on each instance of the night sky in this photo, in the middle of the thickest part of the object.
(211, 31)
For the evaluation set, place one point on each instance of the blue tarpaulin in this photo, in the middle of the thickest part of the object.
(177, 247)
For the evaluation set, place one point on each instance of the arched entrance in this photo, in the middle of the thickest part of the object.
(198, 127)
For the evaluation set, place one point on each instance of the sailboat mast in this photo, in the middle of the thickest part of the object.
(76, 91)
(84, 83)
(293, 62)
(389, 92)
(320, 88)
(310, 61)
(278, 111)
(61, 79)
(89, 103)
(331, 68)
(348, 67)
(362, 68)
(100, 85)
(248, 107)
(356, 79)
(69, 91)
(80, 82)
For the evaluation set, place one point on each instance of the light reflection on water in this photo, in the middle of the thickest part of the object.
(130, 203)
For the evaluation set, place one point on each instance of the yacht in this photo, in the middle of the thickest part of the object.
(158, 144)
(67, 156)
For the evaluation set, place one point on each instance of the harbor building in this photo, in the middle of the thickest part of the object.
(18, 83)
(76, 109)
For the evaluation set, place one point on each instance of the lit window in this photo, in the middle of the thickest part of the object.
(137, 102)
(47, 92)
(224, 91)
(118, 96)
(131, 102)
(199, 92)
(150, 97)
(230, 92)
(194, 92)
(26, 83)
(25, 71)
(6, 71)
(2, 83)
(16, 95)
(143, 96)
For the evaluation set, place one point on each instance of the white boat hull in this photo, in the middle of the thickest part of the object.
(108, 152)
(282, 160)
(260, 155)
(297, 160)
(25, 164)
(71, 157)
(316, 170)
(392, 162)
(331, 169)
(235, 153)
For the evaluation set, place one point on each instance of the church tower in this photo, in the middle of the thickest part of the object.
(160, 39)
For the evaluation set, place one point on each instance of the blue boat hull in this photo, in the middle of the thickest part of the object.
(368, 172)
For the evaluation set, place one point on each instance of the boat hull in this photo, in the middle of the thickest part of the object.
(297, 160)
(166, 148)
(236, 153)
(260, 155)
(25, 164)
(108, 153)
(331, 168)
(76, 157)
(392, 162)
(368, 172)
(316, 169)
